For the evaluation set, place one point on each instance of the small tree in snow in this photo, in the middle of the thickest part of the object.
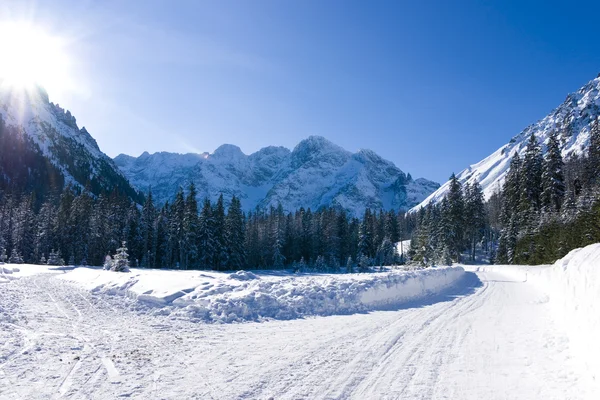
(301, 266)
(3, 256)
(108, 262)
(349, 265)
(363, 263)
(320, 264)
(15, 257)
(72, 260)
(121, 259)
(54, 258)
(43, 260)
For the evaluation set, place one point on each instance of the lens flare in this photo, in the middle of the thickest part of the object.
(30, 56)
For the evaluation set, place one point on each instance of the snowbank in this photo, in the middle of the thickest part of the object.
(573, 288)
(242, 296)
(10, 272)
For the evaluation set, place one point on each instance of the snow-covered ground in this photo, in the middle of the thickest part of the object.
(496, 333)
(242, 296)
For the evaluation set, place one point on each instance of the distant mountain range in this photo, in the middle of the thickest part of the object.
(572, 122)
(315, 173)
(42, 149)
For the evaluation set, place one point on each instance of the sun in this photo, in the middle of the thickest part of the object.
(31, 56)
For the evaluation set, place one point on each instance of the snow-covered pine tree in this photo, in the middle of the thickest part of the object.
(320, 264)
(593, 156)
(385, 253)
(3, 256)
(120, 261)
(302, 267)
(54, 258)
(532, 168)
(475, 216)
(553, 180)
(108, 262)
(365, 235)
(456, 215)
(235, 235)
(43, 260)
(147, 229)
(190, 255)
(206, 238)
(364, 263)
(278, 258)
(15, 257)
(219, 235)
(349, 265)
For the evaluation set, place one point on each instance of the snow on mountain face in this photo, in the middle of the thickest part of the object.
(571, 120)
(47, 132)
(316, 173)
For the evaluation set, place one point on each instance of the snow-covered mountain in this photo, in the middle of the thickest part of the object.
(572, 122)
(43, 149)
(316, 173)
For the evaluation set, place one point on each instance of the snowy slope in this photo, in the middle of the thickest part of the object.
(571, 120)
(46, 129)
(492, 336)
(316, 173)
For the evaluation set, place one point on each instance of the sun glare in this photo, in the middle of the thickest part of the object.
(31, 56)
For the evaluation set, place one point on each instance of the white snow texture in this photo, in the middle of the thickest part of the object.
(220, 297)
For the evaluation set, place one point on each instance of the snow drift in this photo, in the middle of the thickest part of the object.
(243, 296)
(573, 288)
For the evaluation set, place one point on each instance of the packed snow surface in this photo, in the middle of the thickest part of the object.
(495, 333)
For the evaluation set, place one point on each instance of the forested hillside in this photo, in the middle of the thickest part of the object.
(547, 206)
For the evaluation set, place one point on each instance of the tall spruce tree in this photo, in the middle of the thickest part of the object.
(206, 238)
(235, 235)
(190, 252)
(553, 182)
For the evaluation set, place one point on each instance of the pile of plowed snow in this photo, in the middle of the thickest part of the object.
(573, 288)
(243, 296)
(10, 272)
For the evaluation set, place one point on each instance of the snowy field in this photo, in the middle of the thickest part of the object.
(487, 333)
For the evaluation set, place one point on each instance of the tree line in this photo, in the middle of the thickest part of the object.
(83, 229)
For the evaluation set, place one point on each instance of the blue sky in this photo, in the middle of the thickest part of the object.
(431, 85)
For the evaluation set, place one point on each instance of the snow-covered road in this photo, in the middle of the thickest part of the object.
(492, 337)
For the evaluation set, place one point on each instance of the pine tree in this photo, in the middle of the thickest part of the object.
(531, 189)
(108, 262)
(365, 235)
(593, 158)
(190, 254)
(54, 258)
(15, 257)
(349, 266)
(3, 256)
(235, 235)
(553, 182)
(206, 236)
(455, 214)
(219, 236)
(475, 215)
(120, 262)
(147, 227)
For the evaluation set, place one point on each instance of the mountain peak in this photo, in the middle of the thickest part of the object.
(316, 173)
(228, 151)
